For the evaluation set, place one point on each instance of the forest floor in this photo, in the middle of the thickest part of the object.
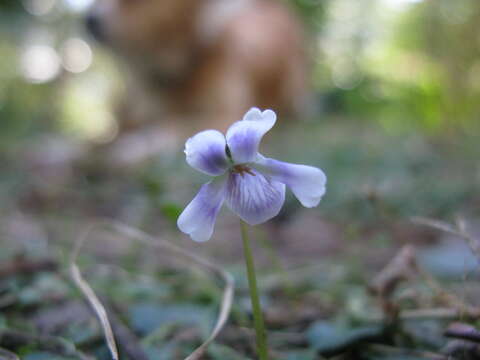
(385, 268)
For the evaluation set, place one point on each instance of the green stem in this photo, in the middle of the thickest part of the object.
(262, 348)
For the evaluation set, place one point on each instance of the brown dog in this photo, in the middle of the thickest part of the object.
(203, 63)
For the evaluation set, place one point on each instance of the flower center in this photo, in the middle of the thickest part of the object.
(242, 169)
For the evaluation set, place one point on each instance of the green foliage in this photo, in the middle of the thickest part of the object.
(326, 336)
(11, 5)
(311, 11)
(445, 32)
(422, 75)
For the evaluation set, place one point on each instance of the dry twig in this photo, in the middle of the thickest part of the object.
(149, 240)
(401, 268)
(460, 306)
(96, 306)
(404, 267)
(127, 339)
(465, 310)
(459, 230)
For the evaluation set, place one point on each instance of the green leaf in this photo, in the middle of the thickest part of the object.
(326, 336)
(146, 317)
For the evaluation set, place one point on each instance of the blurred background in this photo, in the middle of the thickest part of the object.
(396, 129)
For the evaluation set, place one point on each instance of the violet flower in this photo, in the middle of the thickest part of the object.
(252, 185)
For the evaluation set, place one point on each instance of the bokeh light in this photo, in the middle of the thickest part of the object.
(400, 4)
(79, 5)
(76, 55)
(39, 7)
(90, 92)
(40, 63)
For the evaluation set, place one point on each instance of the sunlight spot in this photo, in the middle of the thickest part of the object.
(39, 7)
(400, 4)
(76, 55)
(346, 76)
(40, 64)
(78, 5)
(90, 91)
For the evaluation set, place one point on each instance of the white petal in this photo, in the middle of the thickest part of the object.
(255, 199)
(243, 137)
(255, 114)
(198, 218)
(307, 182)
(206, 152)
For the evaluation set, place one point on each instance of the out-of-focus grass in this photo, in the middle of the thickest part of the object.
(371, 170)
(371, 174)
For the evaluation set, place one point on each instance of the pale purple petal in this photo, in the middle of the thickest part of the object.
(243, 137)
(206, 152)
(255, 199)
(198, 218)
(306, 182)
